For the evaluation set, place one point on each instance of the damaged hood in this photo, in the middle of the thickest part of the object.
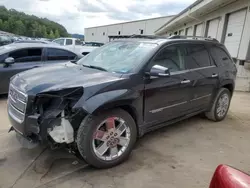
(52, 78)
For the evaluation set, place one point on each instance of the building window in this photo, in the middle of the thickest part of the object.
(119, 32)
(103, 33)
(92, 34)
(141, 31)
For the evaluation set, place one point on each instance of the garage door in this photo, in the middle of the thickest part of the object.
(234, 31)
(189, 31)
(181, 32)
(213, 26)
(198, 30)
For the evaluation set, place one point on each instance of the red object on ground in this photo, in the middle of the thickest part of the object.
(228, 177)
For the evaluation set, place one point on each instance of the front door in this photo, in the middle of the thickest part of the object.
(25, 59)
(167, 98)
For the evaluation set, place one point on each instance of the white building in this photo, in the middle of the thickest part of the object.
(141, 27)
(226, 20)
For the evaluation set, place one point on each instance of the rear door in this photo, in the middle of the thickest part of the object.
(25, 59)
(55, 56)
(205, 74)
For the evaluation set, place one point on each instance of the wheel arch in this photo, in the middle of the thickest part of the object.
(230, 87)
(126, 107)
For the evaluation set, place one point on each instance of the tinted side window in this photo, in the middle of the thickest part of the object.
(27, 55)
(78, 42)
(171, 57)
(58, 54)
(69, 42)
(220, 57)
(197, 56)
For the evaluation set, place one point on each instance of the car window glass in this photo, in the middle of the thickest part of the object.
(197, 56)
(78, 42)
(121, 56)
(58, 54)
(69, 42)
(27, 55)
(59, 41)
(170, 57)
(220, 57)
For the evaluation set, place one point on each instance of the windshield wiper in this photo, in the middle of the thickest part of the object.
(95, 67)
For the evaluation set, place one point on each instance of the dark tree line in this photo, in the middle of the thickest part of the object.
(29, 25)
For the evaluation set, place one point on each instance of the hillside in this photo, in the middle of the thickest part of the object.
(79, 36)
(29, 25)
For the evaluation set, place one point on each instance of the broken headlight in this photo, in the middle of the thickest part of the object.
(51, 104)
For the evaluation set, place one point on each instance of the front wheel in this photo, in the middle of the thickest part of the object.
(107, 139)
(220, 105)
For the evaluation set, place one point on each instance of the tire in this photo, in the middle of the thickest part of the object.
(212, 114)
(89, 127)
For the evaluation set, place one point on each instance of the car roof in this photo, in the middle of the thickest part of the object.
(16, 46)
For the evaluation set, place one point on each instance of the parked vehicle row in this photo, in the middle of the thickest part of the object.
(18, 57)
(75, 45)
(99, 106)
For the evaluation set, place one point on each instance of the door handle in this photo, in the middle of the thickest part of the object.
(214, 75)
(185, 81)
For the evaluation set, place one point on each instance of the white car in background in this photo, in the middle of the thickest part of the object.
(74, 45)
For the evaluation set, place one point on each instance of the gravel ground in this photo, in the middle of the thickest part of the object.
(181, 155)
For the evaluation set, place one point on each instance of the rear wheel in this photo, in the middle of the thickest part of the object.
(107, 139)
(220, 105)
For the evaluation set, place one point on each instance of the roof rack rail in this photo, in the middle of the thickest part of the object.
(192, 37)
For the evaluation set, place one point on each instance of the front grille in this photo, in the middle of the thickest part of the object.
(17, 104)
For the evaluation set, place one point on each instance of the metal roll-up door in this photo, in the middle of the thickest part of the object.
(189, 31)
(213, 26)
(198, 30)
(182, 32)
(234, 31)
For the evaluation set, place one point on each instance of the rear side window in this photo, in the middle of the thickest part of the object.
(220, 57)
(69, 42)
(197, 56)
(54, 54)
(27, 55)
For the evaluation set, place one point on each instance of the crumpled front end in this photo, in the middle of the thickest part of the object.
(48, 117)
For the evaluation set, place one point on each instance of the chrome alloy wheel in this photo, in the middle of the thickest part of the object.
(222, 105)
(111, 139)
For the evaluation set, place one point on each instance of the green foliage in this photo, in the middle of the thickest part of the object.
(29, 25)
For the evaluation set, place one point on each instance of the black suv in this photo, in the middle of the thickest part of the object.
(98, 107)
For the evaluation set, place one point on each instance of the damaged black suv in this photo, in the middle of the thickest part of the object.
(99, 106)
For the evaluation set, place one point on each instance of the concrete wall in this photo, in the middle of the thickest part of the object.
(95, 34)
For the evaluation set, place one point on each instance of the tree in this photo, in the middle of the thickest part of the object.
(44, 31)
(19, 28)
(51, 34)
(57, 35)
(29, 25)
(1, 24)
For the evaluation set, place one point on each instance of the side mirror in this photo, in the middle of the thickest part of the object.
(9, 61)
(159, 71)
